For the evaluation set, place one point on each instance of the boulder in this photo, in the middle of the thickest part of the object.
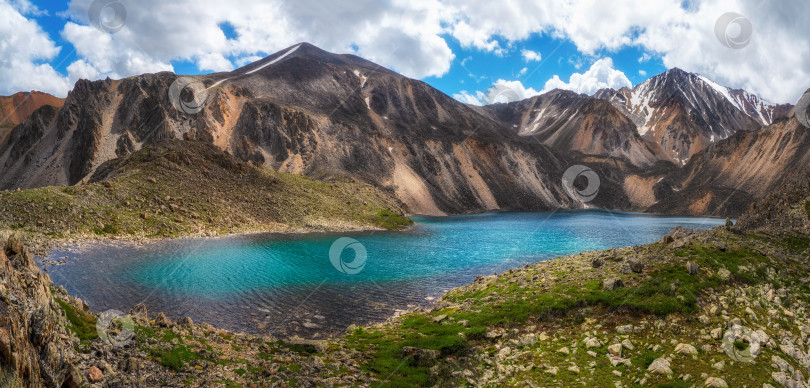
(615, 349)
(685, 349)
(636, 265)
(660, 366)
(612, 283)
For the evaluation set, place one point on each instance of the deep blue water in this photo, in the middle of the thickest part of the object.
(287, 284)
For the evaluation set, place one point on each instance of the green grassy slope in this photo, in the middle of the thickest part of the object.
(186, 188)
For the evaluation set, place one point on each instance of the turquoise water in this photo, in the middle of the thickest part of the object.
(287, 284)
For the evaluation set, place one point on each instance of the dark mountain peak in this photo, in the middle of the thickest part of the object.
(308, 52)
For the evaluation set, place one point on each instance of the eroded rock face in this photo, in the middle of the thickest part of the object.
(35, 348)
(726, 178)
(314, 113)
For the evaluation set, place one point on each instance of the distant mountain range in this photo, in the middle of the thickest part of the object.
(677, 143)
(684, 112)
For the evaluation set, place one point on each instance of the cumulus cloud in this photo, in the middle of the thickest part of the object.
(530, 56)
(680, 33)
(24, 48)
(502, 91)
(601, 75)
(404, 36)
(411, 36)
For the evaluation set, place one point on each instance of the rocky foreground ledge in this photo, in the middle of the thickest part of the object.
(716, 308)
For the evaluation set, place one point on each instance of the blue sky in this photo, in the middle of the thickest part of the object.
(463, 48)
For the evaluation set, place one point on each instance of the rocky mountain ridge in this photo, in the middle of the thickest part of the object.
(329, 116)
(685, 112)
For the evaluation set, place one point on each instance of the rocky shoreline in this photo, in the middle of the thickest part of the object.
(676, 337)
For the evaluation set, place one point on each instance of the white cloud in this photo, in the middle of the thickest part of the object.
(644, 58)
(642, 73)
(600, 75)
(530, 56)
(410, 36)
(501, 91)
(23, 50)
(523, 71)
(776, 57)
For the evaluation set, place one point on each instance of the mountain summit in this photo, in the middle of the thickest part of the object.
(685, 112)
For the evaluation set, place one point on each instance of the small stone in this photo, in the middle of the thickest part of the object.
(685, 349)
(627, 344)
(94, 374)
(439, 318)
(615, 349)
(716, 382)
(617, 373)
(162, 321)
(596, 263)
(636, 266)
(552, 371)
(186, 323)
(563, 350)
(628, 329)
(591, 342)
(724, 274)
(692, 267)
(573, 368)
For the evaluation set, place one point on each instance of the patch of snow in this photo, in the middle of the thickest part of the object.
(368, 102)
(282, 56)
(363, 78)
(539, 115)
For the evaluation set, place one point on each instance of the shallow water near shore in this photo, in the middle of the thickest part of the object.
(287, 285)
